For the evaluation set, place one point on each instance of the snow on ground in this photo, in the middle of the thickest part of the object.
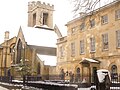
(111, 88)
(2, 88)
(83, 88)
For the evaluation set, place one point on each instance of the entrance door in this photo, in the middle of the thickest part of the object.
(94, 74)
(86, 74)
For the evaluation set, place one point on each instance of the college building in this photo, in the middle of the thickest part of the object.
(92, 43)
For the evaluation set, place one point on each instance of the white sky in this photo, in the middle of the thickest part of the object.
(14, 14)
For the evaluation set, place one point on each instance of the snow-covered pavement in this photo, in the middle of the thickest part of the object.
(2, 88)
(83, 88)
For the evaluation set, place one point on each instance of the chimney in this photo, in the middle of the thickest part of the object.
(6, 36)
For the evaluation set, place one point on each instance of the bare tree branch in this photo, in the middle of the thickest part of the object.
(84, 5)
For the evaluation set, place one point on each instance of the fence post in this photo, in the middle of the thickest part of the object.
(23, 80)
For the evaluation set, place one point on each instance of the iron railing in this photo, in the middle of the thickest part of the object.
(115, 80)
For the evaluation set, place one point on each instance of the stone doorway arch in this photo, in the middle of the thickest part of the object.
(77, 76)
(113, 69)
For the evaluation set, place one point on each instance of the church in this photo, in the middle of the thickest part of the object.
(26, 53)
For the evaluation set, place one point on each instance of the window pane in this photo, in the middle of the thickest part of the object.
(81, 46)
(104, 19)
(92, 44)
(118, 38)
(82, 26)
(117, 14)
(72, 49)
(92, 23)
(105, 41)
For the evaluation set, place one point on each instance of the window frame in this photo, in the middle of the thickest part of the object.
(92, 44)
(118, 38)
(117, 14)
(82, 47)
(105, 42)
(92, 23)
(104, 19)
(82, 26)
(45, 18)
(73, 49)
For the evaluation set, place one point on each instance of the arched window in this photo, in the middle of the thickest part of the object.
(19, 51)
(78, 74)
(114, 69)
(78, 70)
(114, 74)
(38, 69)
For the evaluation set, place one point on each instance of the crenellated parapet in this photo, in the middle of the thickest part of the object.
(32, 5)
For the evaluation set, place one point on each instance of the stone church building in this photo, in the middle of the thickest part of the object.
(25, 53)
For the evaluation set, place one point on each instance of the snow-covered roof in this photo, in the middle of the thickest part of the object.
(39, 37)
(89, 60)
(48, 60)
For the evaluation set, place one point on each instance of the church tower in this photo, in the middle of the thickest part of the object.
(40, 14)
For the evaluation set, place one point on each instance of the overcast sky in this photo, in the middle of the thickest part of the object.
(14, 14)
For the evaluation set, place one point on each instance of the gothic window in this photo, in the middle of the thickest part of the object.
(45, 18)
(38, 69)
(19, 51)
(34, 19)
(12, 51)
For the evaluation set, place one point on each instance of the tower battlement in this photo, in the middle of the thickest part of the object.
(32, 5)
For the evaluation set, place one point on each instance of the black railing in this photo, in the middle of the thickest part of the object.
(115, 80)
(6, 79)
(33, 78)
